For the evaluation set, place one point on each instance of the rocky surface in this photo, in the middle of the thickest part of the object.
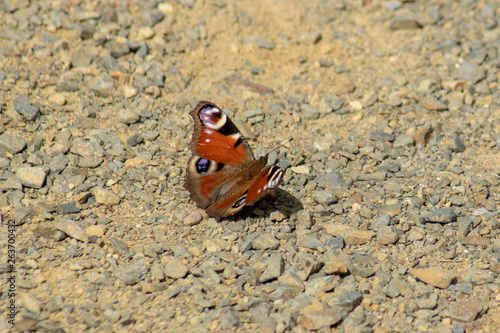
(388, 217)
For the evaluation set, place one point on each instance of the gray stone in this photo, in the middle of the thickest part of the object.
(246, 245)
(305, 37)
(441, 215)
(330, 179)
(347, 301)
(118, 50)
(376, 176)
(175, 269)
(325, 198)
(382, 221)
(32, 176)
(141, 81)
(386, 236)
(337, 103)
(493, 179)
(86, 31)
(363, 271)
(70, 81)
(90, 162)
(11, 183)
(428, 302)
(457, 144)
(260, 42)
(31, 304)
(464, 288)
(310, 112)
(71, 229)
(392, 5)
(134, 140)
(229, 321)
(131, 273)
(320, 319)
(105, 197)
(211, 275)
(102, 85)
(87, 148)
(119, 247)
(128, 116)
(23, 105)
(309, 241)
(372, 99)
(151, 17)
(381, 136)
(391, 290)
(275, 267)
(321, 284)
(11, 143)
(471, 72)
(151, 135)
(291, 280)
(404, 141)
(480, 277)
(155, 73)
(265, 242)
(68, 208)
(403, 22)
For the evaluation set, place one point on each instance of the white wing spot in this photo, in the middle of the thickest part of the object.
(235, 136)
(207, 140)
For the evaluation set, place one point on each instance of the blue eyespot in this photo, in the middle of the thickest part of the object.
(202, 166)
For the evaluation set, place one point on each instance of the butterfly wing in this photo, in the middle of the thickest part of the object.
(265, 184)
(223, 175)
(231, 195)
(217, 138)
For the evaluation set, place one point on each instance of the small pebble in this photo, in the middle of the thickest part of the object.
(72, 229)
(105, 197)
(435, 276)
(192, 219)
(32, 176)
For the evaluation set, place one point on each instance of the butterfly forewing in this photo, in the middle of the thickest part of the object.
(218, 138)
(265, 184)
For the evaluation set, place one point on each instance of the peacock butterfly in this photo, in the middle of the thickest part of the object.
(223, 175)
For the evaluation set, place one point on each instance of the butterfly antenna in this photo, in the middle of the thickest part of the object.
(262, 134)
(281, 145)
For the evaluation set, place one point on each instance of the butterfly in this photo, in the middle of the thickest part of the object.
(223, 176)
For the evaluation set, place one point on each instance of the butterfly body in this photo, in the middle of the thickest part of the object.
(223, 175)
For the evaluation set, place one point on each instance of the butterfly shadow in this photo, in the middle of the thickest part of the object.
(285, 202)
(281, 201)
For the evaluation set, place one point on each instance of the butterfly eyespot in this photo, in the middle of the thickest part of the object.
(240, 202)
(202, 166)
(212, 117)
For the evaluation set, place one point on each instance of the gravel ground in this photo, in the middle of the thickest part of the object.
(388, 216)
